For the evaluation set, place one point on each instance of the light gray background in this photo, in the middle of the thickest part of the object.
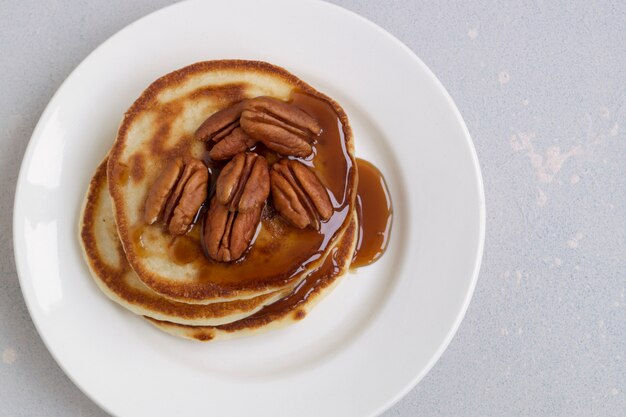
(542, 87)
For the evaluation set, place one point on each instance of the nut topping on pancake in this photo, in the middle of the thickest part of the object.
(221, 123)
(243, 186)
(240, 194)
(298, 194)
(177, 194)
(237, 141)
(244, 183)
(282, 127)
(227, 234)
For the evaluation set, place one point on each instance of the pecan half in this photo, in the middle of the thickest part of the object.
(298, 194)
(220, 124)
(282, 127)
(237, 141)
(232, 219)
(227, 234)
(244, 183)
(177, 194)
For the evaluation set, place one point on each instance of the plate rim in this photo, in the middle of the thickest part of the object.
(478, 256)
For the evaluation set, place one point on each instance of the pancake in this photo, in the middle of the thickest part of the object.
(160, 125)
(114, 276)
(291, 309)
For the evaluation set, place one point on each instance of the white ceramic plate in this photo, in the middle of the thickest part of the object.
(365, 345)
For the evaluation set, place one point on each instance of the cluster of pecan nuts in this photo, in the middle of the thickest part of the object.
(246, 181)
(281, 127)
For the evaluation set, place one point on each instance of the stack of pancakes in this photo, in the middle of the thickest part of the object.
(168, 279)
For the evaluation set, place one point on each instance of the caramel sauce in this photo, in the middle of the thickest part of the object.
(181, 249)
(330, 142)
(136, 236)
(184, 249)
(281, 251)
(296, 298)
(375, 212)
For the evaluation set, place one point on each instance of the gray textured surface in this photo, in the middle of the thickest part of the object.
(542, 87)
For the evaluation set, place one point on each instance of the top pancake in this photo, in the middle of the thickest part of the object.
(111, 272)
(160, 126)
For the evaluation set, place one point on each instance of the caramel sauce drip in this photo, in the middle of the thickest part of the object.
(375, 213)
(329, 159)
(296, 298)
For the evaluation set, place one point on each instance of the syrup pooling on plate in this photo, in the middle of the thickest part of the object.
(375, 213)
(280, 251)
